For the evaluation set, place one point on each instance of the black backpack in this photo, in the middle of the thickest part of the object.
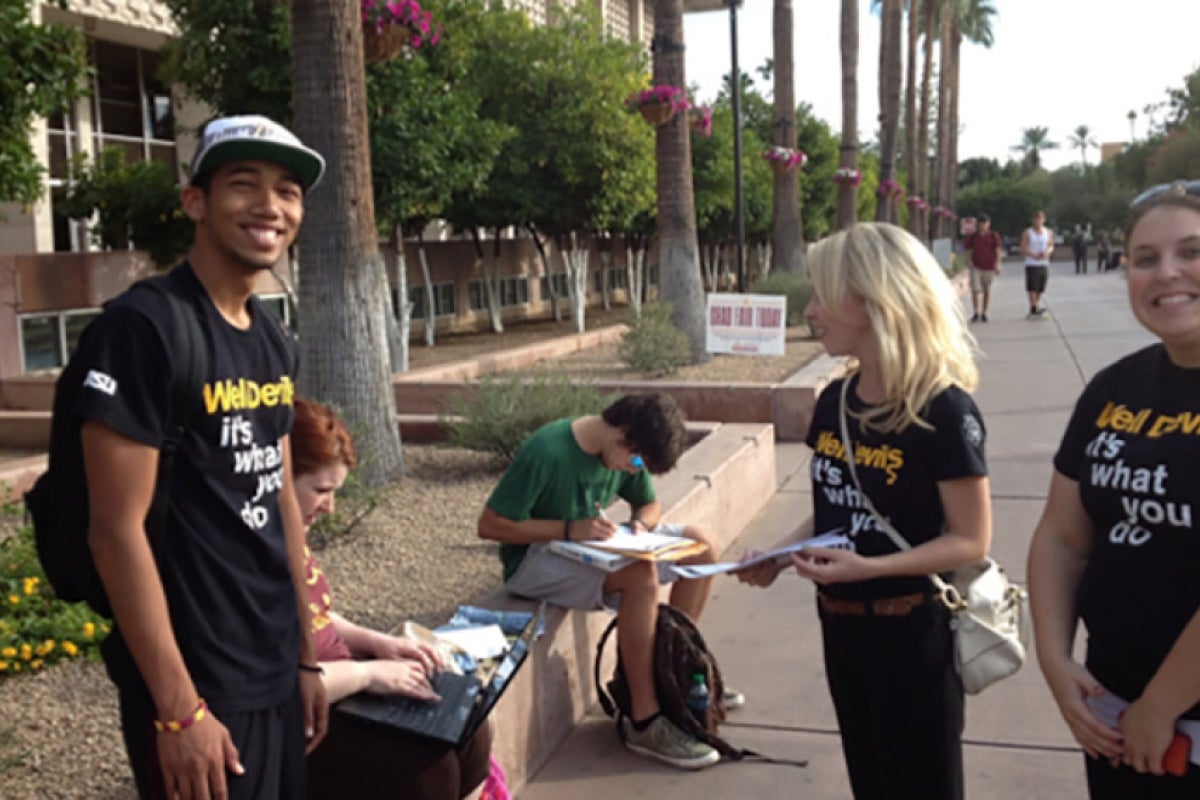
(57, 503)
(679, 654)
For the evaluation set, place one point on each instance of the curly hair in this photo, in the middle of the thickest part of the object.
(319, 438)
(653, 426)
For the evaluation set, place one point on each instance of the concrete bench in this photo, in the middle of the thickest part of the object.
(720, 484)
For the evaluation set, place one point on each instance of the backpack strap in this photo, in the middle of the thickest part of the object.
(191, 357)
(606, 702)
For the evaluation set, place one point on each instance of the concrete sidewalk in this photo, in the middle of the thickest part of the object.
(769, 641)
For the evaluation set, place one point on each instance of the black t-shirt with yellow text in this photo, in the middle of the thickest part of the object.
(1132, 445)
(900, 472)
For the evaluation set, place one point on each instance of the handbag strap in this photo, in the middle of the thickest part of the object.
(948, 594)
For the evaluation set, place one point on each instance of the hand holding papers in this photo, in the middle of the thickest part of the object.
(833, 539)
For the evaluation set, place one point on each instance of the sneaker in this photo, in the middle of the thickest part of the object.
(668, 744)
(1039, 312)
(975, 318)
(732, 698)
(983, 317)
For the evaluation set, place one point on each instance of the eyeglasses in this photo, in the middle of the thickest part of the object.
(1178, 188)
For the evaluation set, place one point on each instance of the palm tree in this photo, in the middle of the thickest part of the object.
(847, 200)
(1132, 117)
(344, 290)
(928, 15)
(910, 107)
(678, 250)
(1081, 140)
(787, 252)
(891, 23)
(1033, 142)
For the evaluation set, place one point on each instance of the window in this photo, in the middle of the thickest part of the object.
(279, 306)
(443, 299)
(47, 340)
(131, 107)
(513, 291)
(560, 285)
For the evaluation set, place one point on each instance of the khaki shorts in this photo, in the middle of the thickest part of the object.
(981, 279)
(545, 575)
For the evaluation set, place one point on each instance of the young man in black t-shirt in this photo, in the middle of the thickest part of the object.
(211, 638)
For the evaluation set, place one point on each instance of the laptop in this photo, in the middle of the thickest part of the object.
(465, 704)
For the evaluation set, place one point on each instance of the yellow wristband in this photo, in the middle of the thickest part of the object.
(177, 725)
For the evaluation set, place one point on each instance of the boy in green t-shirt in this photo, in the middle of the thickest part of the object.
(561, 477)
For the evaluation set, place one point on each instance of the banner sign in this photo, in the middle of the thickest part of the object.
(746, 324)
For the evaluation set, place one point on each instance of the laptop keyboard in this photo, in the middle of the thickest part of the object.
(442, 720)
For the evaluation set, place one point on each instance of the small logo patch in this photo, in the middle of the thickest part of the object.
(972, 430)
(100, 381)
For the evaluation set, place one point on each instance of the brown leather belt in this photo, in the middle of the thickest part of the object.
(900, 606)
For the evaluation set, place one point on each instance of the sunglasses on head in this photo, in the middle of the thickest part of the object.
(1178, 188)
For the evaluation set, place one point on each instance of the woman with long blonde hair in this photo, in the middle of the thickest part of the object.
(881, 299)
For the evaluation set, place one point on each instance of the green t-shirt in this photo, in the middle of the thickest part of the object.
(552, 478)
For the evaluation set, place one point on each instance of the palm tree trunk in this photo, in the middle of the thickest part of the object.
(678, 261)
(787, 238)
(847, 200)
(889, 102)
(911, 123)
(343, 292)
(923, 183)
(952, 151)
(943, 129)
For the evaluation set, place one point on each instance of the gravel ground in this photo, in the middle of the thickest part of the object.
(414, 556)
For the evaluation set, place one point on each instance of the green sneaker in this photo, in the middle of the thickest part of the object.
(668, 744)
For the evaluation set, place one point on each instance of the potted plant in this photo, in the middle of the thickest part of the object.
(784, 159)
(890, 188)
(658, 104)
(847, 175)
(702, 120)
(388, 27)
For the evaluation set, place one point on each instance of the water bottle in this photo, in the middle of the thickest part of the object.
(697, 699)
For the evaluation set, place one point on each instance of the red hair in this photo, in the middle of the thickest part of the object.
(319, 438)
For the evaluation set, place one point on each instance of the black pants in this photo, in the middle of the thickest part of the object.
(362, 761)
(899, 703)
(1123, 783)
(270, 746)
(1081, 263)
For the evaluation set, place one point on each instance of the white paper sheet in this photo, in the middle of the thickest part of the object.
(828, 539)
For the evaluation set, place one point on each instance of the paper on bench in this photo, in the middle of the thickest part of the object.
(627, 542)
(829, 539)
(484, 641)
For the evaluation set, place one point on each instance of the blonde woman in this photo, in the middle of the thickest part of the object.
(880, 298)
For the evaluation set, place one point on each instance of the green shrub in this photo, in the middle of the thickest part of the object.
(501, 412)
(36, 628)
(793, 286)
(653, 344)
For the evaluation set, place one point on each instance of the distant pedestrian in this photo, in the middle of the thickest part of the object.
(1103, 248)
(1037, 243)
(985, 250)
(1079, 246)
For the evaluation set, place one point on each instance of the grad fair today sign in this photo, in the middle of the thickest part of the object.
(746, 324)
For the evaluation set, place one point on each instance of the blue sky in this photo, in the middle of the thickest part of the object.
(1056, 63)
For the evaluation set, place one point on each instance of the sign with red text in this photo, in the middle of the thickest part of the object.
(746, 324)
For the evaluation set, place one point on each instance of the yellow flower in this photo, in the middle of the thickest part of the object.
(9, 652)
(3, 666)
(105, 627)
(70, 648)
(31, 584)
(16, 667)
(13, 599)
(89, 629)
(26, 652)
(35, 664)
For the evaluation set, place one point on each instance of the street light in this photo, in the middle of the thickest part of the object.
(735, 87)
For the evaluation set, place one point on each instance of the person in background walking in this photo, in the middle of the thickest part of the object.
(1079, 248)
(1116, 547)
(1103, 248)
(1037, 243)
(985, 250)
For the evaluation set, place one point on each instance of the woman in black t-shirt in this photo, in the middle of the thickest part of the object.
(880, 298)
(1117, 545)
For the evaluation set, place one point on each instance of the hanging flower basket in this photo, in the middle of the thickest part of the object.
(944, 213)
(784, 159)
(847, 175)
(916, 202)
(658, 105)
(701, 117)
(889, 188)
(383, 42)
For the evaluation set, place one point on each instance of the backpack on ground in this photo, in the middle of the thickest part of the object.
(679, 655)
(57, 503)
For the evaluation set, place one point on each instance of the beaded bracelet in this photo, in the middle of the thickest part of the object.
(177, 725)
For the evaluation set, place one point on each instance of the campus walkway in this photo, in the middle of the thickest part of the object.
(769, 642)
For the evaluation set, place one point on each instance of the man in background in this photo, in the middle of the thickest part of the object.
(985, 250)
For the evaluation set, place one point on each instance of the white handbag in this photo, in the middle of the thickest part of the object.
(989, 614)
